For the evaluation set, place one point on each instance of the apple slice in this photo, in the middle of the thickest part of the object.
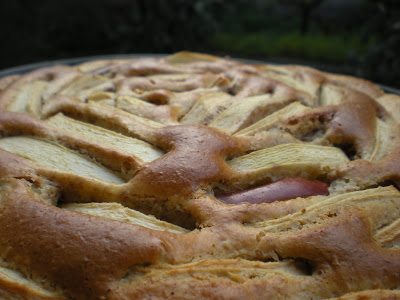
(280, 190)
(207, 108)
(295, 156)
(116, 211)
(138, 148)
(85, 85)
(247, 111)
(270, 120)
(56, 156)
(29, 98)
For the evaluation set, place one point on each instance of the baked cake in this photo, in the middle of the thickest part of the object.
(192, 176)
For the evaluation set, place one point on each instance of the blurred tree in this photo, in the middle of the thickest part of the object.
(306, 7)
(382, 62)
(46, 29)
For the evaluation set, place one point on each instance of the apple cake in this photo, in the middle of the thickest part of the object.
(193, 176)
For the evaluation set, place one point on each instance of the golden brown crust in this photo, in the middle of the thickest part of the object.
(159, 138)
(64, 234)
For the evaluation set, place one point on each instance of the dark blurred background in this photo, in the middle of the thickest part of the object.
(358, 37)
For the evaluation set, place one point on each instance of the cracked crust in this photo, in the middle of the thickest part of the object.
(110, 173)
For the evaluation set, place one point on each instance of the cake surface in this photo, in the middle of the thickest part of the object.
(192, 176)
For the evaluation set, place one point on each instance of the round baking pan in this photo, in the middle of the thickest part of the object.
(74, 61)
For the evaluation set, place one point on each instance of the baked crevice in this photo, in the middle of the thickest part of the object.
(350, 150)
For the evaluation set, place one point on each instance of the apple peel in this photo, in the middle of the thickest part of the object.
(280, 190)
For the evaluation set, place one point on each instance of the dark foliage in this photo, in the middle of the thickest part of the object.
(45, 29)
(382, 63)
(33, 31)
